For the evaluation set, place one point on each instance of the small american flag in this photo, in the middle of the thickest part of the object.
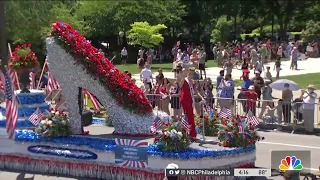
(240, 127)
(252, 119)
(156, 125)
(225, 113)
(36, 117)
(11, 104)
(95, 102)
(32, 80)
(210, 111)
(52, 82)
(185, 124)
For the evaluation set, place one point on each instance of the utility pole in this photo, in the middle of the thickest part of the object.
(3, 37)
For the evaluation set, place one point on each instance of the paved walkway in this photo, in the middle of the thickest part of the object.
(305, 67)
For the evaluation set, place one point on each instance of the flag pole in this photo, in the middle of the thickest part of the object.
(15, 72)
(42, 71)
(58, 93)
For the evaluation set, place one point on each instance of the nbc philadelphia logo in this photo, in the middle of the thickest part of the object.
(291, 163)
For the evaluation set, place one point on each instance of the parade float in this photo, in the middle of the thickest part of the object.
(50, 149)
(24, 61)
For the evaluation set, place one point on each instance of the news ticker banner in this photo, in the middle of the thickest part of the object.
(219, 172)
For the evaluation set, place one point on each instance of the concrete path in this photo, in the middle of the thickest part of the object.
(304, 67)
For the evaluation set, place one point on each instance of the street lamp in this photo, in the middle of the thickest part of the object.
(121, 34)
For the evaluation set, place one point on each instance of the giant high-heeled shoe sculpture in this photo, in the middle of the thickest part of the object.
(74, 62)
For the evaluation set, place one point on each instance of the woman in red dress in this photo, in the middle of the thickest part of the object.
(188, 102)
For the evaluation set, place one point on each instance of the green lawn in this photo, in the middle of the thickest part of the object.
(302, 80)
(133, 68)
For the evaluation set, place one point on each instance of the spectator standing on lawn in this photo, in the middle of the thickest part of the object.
(277, 67)
(228, 66)
(140, 62)
(202, 63)
(124, 55)
(309, 99)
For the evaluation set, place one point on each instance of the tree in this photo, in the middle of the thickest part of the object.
(312, 31)
(26, 19)
(65, 13)
(145, 35)
(222, 30)
(107, 18)
(284, 11)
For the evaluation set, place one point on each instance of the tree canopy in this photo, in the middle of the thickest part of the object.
(145, 35)
(28, 21)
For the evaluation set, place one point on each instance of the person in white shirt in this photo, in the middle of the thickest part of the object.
(140, 53)
(309, 99)
(124, 55)
(179, 55)
(146, 77)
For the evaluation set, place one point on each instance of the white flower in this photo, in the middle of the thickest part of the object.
(166, 133)
(49, 122)
(160, 132)
(53, 111)
(63, 122)
(174, 131)
(179, 134)
(42, 122)
(57, 113)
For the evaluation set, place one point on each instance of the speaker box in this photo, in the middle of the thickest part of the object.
(86, 118)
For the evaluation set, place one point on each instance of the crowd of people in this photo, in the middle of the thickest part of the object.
(164, 93)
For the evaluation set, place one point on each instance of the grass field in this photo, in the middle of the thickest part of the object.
(133, 68)
(303, 80)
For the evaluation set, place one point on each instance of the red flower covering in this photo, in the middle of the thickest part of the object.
(96, 64)
(23, 58)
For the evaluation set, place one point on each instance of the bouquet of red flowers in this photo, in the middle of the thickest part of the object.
(211, 123)
(237, 132)
(23, 58)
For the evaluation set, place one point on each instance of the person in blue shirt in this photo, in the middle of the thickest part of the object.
(219, 78)
(246, 84)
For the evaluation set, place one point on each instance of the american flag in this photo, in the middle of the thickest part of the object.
(185, 124)
(32, 80)
(36, 117)
(11, 104)
(225, 113)
(156, 125)
(95, 102)
(252, 119)
(210, 111)
(240, 127)
(52, 82)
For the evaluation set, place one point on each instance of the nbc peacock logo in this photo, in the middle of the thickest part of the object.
(291, 163)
